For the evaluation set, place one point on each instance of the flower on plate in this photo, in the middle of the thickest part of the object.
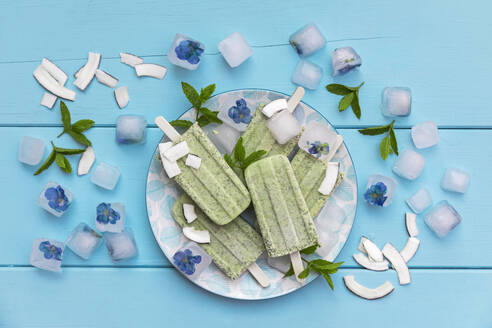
(375, 195)
(185, 261)
(50, 251)
(190, 51)
(240, 113)
(317, 148)
(106, 214)
(57, 199)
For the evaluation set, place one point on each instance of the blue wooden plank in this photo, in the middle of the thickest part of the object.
(152, 297)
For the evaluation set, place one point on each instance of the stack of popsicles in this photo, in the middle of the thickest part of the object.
(286, 196)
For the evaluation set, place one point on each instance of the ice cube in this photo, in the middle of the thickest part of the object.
(105, 176)
(130, 129)
(55, 199)
(307, 74)
(47, 254)
(425, 134)
(420, 201)
(317, 139)
(31, 150)
(191, 260)
(455, 180)
(281, 263)
(380, 190)
(283, 126)
(237, 115)
(235, 49)
(344, 59)
(83, 240)
(110, 217)
(186, 52)
(307, 40)
(329, 223)
(409, 164)
(396, 101)
(442, 218)
(121, 245)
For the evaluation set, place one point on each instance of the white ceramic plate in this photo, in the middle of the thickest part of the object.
(334, 221)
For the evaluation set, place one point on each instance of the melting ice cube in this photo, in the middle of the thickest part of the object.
(409, 164)
(83, 240)
(442, 218)
(317, 139)
(380, 190)
(344, 59)
(396, 101)
(31, 150)
(307, 74)
(420, 201)
(307, 40)
(121, 245)
(130, 129)
(455, 180)
(105, 176)
(47, 254)
(55, 198)
(425, 134)
(235, 49)
(186, 52)
(283, 126)
(110, 217)
(191, 260)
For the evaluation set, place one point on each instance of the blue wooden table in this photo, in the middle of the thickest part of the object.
(440, 49)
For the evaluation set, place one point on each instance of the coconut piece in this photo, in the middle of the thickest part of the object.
(411, 223)
(86, 75)
(106, 79)
(152, 70)
(193, 161)
(365, 262)
(367, 293)
(130, 59)
(54, 71)
(172, 169)
(48, 100)
(121, 96)
(361, 245)
(177, 151)
(410, 248)
(330, 180)
(86, 160)
(189, 212)
(398, 263)
(274, 106)
(373, 251)
(198, 236)
(51, 84)
(76, 75)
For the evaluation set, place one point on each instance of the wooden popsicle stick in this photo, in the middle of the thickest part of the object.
(295, 259)
(295, 99)
(259, 275)
(334, 150)
(167, 128)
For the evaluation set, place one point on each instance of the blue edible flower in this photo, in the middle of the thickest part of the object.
(375, 195)
(185, 261)
(57, 199)
(240, 113)
(106, 214)
(317, 148)
(190, 51)
(50, 251)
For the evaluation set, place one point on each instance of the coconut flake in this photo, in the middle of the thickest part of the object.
(121, 96)
(86, 160)
(274, 107)
(410, 248)
(51, 84)
(86, 75)
(106, 79)
(130, 59)
(367, 293)
(331, 176)
(365, 262)
(152, 70)
(411, 223)
(398, 263)
(54, 71)
(177, 151)
(189, 212)
(361, 245)
(198, 236)
(48, 100)
(193, 161)
(76, 75)
(373, 251)
(172, 169)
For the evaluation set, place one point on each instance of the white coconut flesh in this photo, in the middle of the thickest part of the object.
(189, 212)
(411, 224)
(410, 248)
(172, 169)
(54, 71)
(274, 107)
(86, 160)
(121, 96)
(48, 100)
(106, 78)
(365, 262)
(398, 263)
(193, 161)
(151, 70)
(373, 251)
(130, 59)
(361, 245)
(48, 82)
(87, 73)
(177, 151)
(368, 293)
(198, 236)
(331, 177)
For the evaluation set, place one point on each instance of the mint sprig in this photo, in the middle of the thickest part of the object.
(239, 159)
(389, 144)
(350, 97)
(58, 155)
(320, 266)
(74, 130)
(204, 116)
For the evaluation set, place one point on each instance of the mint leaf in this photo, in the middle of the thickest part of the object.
(375, 130)
(345, 102)
(310, 250)
(68, 151)
(239, 151)
(384, 147)
(207, 92)
(393, 142)
(82, 125)
(203, 120)
(65, 115)
(211, 115)
(328, 280)
(192, 95)
(350, 97)
(181, 123)
(253, 157)
(304, 273)
(79, 137)
(355, 105)
(338, 89)
(63, 163)
(47, 162)
(356, 88)
(290, 272)
(229, 160)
